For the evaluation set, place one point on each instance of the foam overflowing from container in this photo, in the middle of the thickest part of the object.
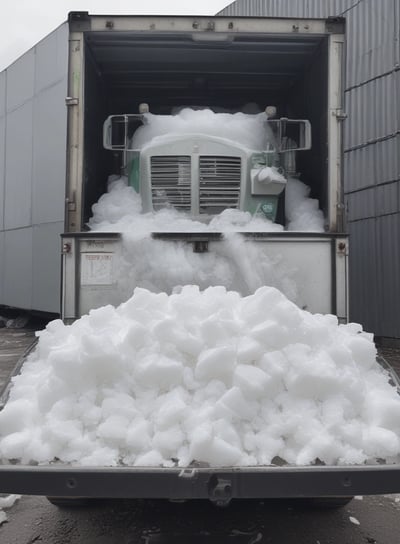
(233, 262)
(120, 210)
(202, 376)
(249, 131)
(163, 265)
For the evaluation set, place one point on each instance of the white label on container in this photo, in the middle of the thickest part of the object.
(97, 269)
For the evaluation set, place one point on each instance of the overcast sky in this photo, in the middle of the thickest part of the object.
(25, 22)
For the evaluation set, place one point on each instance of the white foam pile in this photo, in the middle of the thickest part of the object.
(250, 131)
(206, 376)
(120, 210)
(234, 263)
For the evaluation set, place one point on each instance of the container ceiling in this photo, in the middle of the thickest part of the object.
(214, 61)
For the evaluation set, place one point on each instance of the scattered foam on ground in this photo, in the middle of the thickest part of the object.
(7, 502)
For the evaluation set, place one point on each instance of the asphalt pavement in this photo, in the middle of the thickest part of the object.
(366, 520)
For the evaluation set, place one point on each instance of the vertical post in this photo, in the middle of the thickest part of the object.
(335, 118)
(75, 99)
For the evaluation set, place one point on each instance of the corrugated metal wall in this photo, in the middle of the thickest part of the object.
(372, 147)
(287, 8)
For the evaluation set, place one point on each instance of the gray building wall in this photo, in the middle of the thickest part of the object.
(372, 147)
(33, 121)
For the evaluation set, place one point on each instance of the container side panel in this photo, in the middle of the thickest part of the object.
(397, 36)
(387, 199)
(49, 154)
(32, 173)
(2, 175)
(287, 8)
(47, 267)
(371, 31)
(2, 169)
(364, 301)
(374, 202)
(18, 268)
(20, 81)
(398, 100)
(372, 111)
(2, 266)
(3, 82)
(388, 275)
(361, 205)
(18, 177)
(375, 278)
(372, 164)
(51, 58)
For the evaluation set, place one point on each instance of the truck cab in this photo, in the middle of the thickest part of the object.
(203, 174)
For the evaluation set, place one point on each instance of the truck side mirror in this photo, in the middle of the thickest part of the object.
(118, 130)
(291, 134)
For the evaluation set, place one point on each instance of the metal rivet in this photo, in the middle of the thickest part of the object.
(346, 482)
(71, 483)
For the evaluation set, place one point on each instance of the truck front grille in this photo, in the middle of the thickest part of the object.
(170, 181)
(219, 183)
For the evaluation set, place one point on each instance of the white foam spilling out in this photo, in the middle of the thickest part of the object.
(250, 131)
(237, 264)
(302, 212)
(119, 210)
(206, 376)
(233, 262)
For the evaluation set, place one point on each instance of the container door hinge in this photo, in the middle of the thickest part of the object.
(340, 115)
(70, 101)
(71, 204)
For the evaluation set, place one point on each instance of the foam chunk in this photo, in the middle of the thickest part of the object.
(216, 363)
(272, 334)
(138, 436)
(213, 450)
(251, 380)
(158, 370)
(168, 442)
(16, 416)
(249, 350)
(233, 403)
(363, 351)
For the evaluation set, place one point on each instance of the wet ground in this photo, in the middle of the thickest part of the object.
(365, 520)
(13, 344)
